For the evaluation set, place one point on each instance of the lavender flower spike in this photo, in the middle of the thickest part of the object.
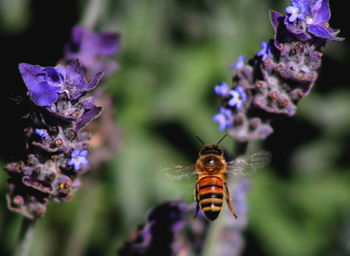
(56, 144)
(280, 74)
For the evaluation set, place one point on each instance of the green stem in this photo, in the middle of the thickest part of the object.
(25, 237)
(92, 12)
(84, 219)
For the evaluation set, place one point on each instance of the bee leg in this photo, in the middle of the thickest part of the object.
(228, 200)
(195, 193)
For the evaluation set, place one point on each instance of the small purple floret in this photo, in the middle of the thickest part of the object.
(222, 89)
(265, 51)
(238, 97)
(298, 10)
(78, 159)
(224, 118)
(239, 64)
(41, 132)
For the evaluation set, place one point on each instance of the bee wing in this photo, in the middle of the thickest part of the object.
(248, 165)
(179, 171)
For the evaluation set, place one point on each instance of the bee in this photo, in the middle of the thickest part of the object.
(212, 172)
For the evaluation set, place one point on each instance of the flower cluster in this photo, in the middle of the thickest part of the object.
(56, 144)
(158, 235)
(272, 83)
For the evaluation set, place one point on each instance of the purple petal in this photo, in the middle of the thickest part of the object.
(94, 81)
(239, 63)
(83, 161)
(75, 153)
(321, 31)
(276, 19)
(221, 119)
(53, 77)
(89, 115)
(83, 152)
(88, 103)
(29, 74)
(75, 76)
(222, 89)
(108, 43)
(294, 13)
(322, 12)
(44, 94)
(235, 98)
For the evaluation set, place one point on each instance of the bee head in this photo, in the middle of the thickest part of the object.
(211, 149)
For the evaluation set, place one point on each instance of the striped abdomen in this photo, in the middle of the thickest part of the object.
(210, 196)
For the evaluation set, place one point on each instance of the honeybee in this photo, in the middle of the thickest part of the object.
(212, 170)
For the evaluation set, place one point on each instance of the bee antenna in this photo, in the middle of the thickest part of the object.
(198, 138)
(221, 139)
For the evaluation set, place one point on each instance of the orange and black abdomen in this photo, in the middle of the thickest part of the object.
(210, 196)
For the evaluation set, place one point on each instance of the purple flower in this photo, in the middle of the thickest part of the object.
(46, 84)
(313, 16)
(318, 23)
(43, 84)
(224, 118)
(265, 51)
(222, 89)
(238, 97)
(92, 49)
(235, 97)
(42, 133)
(78, 159)
(297, 10)
(239, 64)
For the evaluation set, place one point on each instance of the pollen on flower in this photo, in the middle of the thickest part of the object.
(284, 102)
(58, 142)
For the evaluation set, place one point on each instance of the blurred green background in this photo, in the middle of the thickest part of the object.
(172, 54)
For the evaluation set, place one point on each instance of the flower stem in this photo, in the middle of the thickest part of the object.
(212, 238)
(24, 237)
(76, 242)
(92, 12)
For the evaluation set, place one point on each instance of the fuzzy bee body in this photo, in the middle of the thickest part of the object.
(211, 188)
(212, 170)
(210, 196)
